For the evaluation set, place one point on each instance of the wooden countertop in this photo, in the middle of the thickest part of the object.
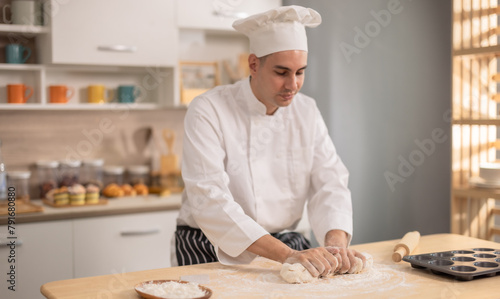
(116, 206)
(261, 279)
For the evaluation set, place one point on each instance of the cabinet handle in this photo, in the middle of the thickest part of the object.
(150, 231)
(230, 14)
(117, 48)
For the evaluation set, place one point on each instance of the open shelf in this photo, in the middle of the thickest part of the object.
(24, 29)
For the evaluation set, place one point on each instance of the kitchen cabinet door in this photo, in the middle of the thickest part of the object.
(112, 32)
(43, 253)
(125, 243)
(218, 14)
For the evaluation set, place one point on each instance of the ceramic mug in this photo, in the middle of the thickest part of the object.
(128, 93)
(60, 93)
(18, 93)
(97, 94)
(16, 53)
(23, 12)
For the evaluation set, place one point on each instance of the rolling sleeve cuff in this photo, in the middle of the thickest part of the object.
(232, 246)
(338, 221)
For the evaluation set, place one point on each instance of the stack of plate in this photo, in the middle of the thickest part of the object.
(489, 176)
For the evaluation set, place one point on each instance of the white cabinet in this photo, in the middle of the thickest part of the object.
(43, 253)
(218, 14)
(111, 32)
(125, 243)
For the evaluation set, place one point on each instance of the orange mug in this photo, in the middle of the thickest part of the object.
(60, 93)
(17, 93)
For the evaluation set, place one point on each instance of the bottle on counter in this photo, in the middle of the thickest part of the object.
(69, 172)
(138, 174)
(3, 177)
(92, 172)
(113, 175)
(47, 176)
(19, 180)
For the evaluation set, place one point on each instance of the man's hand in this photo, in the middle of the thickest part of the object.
(318, 261)
(336, 240)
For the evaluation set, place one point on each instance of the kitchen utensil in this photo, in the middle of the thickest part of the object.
(97, 94)
(18, 93)
(23, 13)
(170, 161)
(60, 93)
(16, 53)
(139, 289)
(406, 245)
(128, 93)
(463, 264)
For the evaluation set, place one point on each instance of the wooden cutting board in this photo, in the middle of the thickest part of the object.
(170, 161)
(21, 208)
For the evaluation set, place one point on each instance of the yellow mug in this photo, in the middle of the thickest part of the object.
(97, 94)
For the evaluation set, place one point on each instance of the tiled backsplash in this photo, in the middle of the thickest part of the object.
(118, 136)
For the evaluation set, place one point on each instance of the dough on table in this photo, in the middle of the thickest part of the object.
(296, 273)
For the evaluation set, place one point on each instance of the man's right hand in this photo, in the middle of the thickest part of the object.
(318, 261)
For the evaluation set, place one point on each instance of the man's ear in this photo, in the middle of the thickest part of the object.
(253, 64)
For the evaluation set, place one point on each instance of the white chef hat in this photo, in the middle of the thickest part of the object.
(278, 29)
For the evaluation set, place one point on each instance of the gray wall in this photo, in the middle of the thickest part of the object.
(385, 95)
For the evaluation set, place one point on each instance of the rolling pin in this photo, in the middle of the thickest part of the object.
(405, 246)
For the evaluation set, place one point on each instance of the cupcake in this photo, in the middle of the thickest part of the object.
(92, 194)
(58, 196)
(76, 195)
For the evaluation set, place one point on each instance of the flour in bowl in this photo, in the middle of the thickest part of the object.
(172, 289)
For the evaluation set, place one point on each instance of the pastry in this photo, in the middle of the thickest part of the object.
(92, 194)
(76, 195)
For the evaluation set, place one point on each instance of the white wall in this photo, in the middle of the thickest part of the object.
(380, 97)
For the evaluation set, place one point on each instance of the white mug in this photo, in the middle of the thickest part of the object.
(24, 12)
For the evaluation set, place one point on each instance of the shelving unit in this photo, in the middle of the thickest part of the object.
(475, 115)
(65, 53)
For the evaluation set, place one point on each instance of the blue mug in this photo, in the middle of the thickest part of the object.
(16, 53)
(128, 93)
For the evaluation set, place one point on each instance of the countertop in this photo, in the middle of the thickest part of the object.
(114, 206)
(261, 279)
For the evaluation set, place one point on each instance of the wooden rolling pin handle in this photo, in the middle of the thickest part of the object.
(405, 246)
(398, 255)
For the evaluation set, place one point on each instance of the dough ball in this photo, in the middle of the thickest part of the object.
(356, 267)
(368, 262)
(295, 273)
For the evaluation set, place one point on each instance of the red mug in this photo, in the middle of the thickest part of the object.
(18, 93)
(60, 93)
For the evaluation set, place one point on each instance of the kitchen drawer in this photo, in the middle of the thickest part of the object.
(125, 243)
(43, 253)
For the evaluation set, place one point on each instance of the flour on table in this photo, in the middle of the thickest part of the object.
(297, 273)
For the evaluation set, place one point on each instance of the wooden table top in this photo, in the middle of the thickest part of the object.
(261, 279)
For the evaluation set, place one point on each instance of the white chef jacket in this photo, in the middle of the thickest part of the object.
(247, 174)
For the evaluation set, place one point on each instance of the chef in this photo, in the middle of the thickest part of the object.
(255, 153)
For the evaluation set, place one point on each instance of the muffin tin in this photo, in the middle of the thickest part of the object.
(463, 264)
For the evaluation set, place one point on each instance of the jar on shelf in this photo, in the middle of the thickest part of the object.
(92, 172)
(69, 172)
(19, 180)
(113, 175)
(47, 176)
(138, 174)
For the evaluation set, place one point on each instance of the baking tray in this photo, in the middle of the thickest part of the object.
(464, 264)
